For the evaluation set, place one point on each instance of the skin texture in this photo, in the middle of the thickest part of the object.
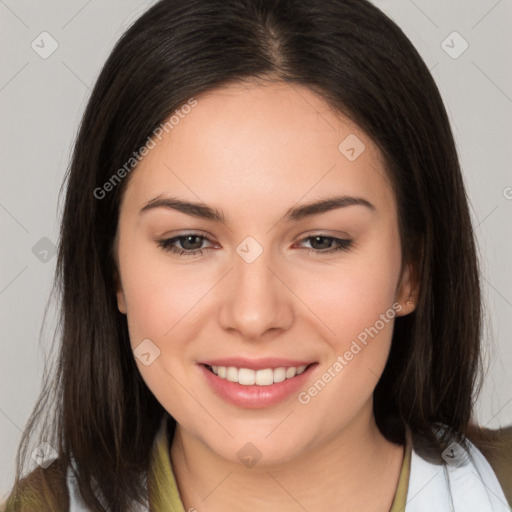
(254, 151)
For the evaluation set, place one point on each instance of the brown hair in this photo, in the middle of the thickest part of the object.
(364, 66)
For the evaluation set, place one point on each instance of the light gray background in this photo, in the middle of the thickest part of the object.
(41, 101)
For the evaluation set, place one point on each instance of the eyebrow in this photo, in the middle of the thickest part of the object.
(293, 214)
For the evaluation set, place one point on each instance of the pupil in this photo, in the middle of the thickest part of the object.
(192, 237)
(322, 238)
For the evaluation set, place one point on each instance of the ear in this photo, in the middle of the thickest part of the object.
(407, 290)
(121, 302)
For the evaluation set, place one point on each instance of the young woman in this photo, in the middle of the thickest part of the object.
(270, 291)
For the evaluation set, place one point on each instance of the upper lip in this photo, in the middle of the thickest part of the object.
(256, 364)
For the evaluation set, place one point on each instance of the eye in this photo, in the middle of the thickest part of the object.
(325, 244)
(190, 242)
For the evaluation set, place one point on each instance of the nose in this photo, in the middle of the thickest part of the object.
(256, 299)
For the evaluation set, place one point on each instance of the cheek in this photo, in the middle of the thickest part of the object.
(359, 310)
(351, 295)
(157, 301)
(356, 302)
(159, 294)
(159, 307)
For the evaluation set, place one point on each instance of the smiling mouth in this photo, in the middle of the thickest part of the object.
(263, 377)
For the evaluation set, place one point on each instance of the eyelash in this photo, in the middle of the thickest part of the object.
(166, 244)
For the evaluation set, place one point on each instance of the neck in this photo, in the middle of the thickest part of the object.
(355, 469)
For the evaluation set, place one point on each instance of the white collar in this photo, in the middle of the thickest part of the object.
(466, 483)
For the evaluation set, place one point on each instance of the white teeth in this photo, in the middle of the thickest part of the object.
(232, 374)
(264, 377)
(279, 374)
(290, 372)
(246, 376)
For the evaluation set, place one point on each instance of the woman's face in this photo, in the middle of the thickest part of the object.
(265, 292)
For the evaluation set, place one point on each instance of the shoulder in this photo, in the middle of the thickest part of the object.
(496, 447)
(42, 489)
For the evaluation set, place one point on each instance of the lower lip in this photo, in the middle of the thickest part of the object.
(255, 397)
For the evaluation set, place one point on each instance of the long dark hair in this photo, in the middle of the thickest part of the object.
(364, 66)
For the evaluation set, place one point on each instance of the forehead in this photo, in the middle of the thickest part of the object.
(274, 143)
